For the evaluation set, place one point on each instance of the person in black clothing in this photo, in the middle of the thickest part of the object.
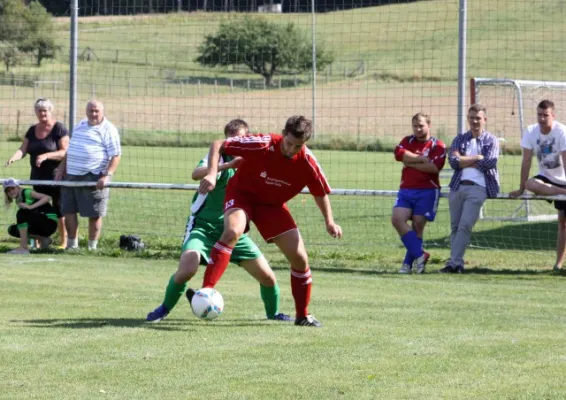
(36, 217)
(46, 142)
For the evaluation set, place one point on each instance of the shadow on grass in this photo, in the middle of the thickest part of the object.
(165, 325)
(539, 236)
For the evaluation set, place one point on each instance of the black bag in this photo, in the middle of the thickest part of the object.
(131, 243)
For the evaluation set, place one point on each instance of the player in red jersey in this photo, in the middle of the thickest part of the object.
(423, 156)
(275, 169)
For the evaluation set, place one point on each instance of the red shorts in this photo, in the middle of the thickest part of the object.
(270, 220)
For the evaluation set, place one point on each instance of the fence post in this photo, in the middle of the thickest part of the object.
(279, 83)
(198, 86)
(248, 84)
(14, 90)
(264, 83)
(18, 124)
(231, 85)
(182, 88)
(215, 86)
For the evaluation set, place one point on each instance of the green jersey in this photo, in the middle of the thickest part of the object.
(207, 210)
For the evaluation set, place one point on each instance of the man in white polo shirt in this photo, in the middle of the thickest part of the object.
(93, 156)
(546, 140)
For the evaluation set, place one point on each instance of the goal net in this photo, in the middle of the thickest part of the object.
(512, 107)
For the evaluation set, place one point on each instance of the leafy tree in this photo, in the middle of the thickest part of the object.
(39, 39)
(13, 24)
(10, 56)
(264, 47)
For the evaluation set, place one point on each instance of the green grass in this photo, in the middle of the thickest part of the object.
(72, 327)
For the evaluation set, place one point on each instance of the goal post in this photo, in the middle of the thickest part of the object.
(510, 102)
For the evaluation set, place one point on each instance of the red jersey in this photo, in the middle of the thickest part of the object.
(271, 177)
(434, 149)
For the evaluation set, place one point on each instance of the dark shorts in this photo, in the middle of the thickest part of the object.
(560, 205)
(88, 201)
(270, 220)
(420, 201)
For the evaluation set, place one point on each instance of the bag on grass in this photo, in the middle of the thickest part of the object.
(131, 243)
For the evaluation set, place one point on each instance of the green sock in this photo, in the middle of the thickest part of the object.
(173, 293)
(270, 297)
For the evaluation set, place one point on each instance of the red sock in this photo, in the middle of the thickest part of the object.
(219, 260)
(301, 284)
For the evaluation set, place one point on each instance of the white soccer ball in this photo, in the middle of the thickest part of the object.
(207, 303)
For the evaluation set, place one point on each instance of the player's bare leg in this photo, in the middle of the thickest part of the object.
(235, 221)
(293, 248)
(560, 241)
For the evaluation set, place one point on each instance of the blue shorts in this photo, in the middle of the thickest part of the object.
(421, 201)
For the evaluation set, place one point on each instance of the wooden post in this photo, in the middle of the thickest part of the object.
(18, 124)
(215, 86)
(279, 83)
(198, 86)
(14, 90)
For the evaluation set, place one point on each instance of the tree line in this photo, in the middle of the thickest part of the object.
(25, 30)
(124, 7)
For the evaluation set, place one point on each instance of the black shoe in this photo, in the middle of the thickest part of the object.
(449, 269)
(190, 293)
(309, 320)
(458, 270)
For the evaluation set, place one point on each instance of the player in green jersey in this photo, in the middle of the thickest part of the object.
(204, 228)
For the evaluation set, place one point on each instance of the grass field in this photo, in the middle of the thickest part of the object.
(72, 327)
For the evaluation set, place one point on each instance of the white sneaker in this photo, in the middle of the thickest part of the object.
(405, 269)
(18, 251)
(420, 262)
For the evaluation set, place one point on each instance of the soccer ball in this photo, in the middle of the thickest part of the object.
(207, 303)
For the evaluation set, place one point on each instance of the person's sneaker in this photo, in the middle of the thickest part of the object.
(557, 268)
(309, 320)
(190, 293)
(420, 262)
(18, 251)
(405, 269)
(281, 317)
(448, 269)
(458, 270)
(158, 314)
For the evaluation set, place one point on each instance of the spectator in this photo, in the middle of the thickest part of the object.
(46, 142)
(93, 156)
(546, 139)
(36, 217)
(473, 157)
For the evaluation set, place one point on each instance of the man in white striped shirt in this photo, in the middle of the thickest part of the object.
(93, 156)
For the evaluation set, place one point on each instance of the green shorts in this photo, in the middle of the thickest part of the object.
(202, 241)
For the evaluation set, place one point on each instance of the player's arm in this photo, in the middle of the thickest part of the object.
(407, 157)
(41, 200)
(429, 167)
(208, 182)
(200, 172)
(525, 171)
(323, 204)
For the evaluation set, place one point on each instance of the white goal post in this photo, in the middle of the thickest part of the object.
(508, 101)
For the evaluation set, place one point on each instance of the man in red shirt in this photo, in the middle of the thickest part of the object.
(423, 156)
(275, 169)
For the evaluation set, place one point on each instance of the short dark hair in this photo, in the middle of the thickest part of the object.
(235, 125)
(546, 104)
(298, 126)
(477, 107)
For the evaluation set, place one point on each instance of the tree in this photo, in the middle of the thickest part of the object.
(39, 38)
(264, 47)
(10, 56)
